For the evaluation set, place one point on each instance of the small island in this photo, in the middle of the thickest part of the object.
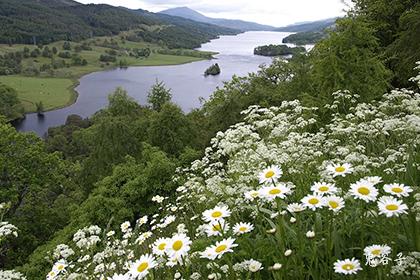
(278, 50)
(213, 70)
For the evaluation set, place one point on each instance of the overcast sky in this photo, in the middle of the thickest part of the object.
(272, 12)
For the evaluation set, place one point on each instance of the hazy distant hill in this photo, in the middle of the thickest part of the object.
(188, 13)
(53, 20)
(315, 26)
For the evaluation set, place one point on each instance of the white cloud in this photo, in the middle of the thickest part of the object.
(273, 12)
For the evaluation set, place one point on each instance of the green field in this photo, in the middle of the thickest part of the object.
(52, 92)
(56, 90)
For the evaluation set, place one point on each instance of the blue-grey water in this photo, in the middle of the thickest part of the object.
(186, 81)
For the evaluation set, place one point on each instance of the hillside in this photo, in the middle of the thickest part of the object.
(45, 21)
(188, 13)
(314, 26)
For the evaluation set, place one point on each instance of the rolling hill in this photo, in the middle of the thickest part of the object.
(188, 13)
(46, 21)
(314, 26)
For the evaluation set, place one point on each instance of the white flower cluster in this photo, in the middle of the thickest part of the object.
(11, 275)
(87, 237)
(408, 266)
(7, 229)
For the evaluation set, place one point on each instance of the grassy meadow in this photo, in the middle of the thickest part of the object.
(56, 89)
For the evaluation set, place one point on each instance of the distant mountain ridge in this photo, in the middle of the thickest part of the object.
(242, 25)
(314, 26)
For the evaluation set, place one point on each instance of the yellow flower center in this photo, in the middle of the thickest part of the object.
(376, 252)
(142, 267)
(333, 204)
(340, 169)
(313, 201)
(217, 227)
(391, 207)
(348, 266)
(220, 248)
(324, 189)
(177, 245)
(397, 190)
(242, 229)
(269, 174)
(364, 190)
(162, 246)
(254, 194)
(60, 267)
(274, 191)
(216, 214)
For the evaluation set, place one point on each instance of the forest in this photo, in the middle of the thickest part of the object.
(232, 190)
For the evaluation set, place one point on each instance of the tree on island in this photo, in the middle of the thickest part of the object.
(213, 70)
(159, 95)
(277, 50)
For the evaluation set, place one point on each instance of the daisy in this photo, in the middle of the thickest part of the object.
(334, 203)
(216, 214)
(160, 245)
(270, 174)
(390, 206)
(178, 246)
(312, 201)
(323, 188)
(347, 266)
(374, 179)
(272, 192)
(339, 169)
(141, 267)
(295, 207)
(375, 251)
(399, 190)
(251, 195)
(59, 266)
(217, 228)
(218, 250)
(363, 190)
(241, 228)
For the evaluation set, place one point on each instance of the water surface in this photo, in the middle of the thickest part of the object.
(186, 81)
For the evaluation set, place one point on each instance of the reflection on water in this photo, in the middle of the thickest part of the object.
(187, 81)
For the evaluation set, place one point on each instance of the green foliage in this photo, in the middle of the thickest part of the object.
(10, 106)
(159, 95)
(213, 70)
(37, 185)
(348, 60)
(278, 50)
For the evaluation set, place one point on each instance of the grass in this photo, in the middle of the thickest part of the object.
(57, 91)
(52, 92)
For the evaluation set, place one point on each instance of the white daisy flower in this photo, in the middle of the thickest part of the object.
(217, 251)
(312, 201)
(295, 207)
(178, 246)
(310, 234)
(216, 228)
(140, 268)
(254, 266)
(323, 188)
(363, 190)
(251, 195)
(160, 245)
(272, 192)
(339, 169)
(333, 202)
(399, 190)
(270, 174)
(374, 179)
(216, 214)
(347, 266)
(390, 206)
(241, 228)
(125, 226)
(119, 277)
(60, 266)
(376, 251)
